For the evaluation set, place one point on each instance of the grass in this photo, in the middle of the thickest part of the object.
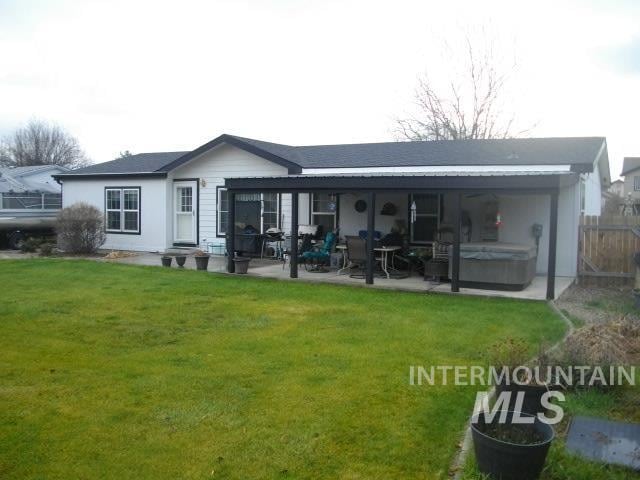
(115, 371)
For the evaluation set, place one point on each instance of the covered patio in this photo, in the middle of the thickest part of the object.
(458, 189)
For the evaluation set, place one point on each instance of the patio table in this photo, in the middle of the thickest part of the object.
(384, 258)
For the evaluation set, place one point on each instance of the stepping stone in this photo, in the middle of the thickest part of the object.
(605, 441)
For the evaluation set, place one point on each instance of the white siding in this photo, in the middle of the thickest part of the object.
(351, 222)
(593, 192)
(153, 213)
(226, 161)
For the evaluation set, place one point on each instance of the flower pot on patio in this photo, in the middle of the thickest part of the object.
(166, 261)
(242, 264)
(180, 259)
(510, 451)
(202, 261)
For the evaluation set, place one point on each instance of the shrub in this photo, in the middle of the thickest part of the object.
(80, 229)
(30, 245)
(46, 249)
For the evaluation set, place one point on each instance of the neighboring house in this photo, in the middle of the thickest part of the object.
(631, 175)
(29, 199)
(617, 188)
(155, 201)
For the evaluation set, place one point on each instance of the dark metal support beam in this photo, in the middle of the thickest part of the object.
(371, 226)
(293, 262)
(455, 254)
(231, 231)
(553, 244)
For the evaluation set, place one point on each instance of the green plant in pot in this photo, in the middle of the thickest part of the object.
(202, 259)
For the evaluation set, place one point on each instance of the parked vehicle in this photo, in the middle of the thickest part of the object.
(30, 200)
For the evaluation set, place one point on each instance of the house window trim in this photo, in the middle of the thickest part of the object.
(220, 189)
(122, 210)
(438, 215)
(636, 183)
(336, 214)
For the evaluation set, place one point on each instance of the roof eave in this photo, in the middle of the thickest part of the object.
(86, 176)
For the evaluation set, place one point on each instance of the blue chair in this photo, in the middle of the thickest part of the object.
(320, 256)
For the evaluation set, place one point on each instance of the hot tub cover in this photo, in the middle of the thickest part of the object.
(497, 251)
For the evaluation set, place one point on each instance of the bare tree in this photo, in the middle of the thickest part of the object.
(125, 154)
(41, 143)
(465, 107)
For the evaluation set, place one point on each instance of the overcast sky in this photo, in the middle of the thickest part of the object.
(158, 76)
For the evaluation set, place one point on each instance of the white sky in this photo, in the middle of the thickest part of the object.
(156, 76)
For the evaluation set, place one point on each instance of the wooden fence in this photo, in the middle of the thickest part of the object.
(606, 248)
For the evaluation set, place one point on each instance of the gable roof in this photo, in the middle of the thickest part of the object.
(629, 165)
(579, 152)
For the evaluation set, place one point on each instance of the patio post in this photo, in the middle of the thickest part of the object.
(371, 219)
(455, 253)
(231, 231)
(293, 261)
(553, 241)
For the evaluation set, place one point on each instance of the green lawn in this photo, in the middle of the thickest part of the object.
(114, 371)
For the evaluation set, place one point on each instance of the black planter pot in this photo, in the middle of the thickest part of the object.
(166, 261)
(202, 262)
(180, 259)
(510, 461)
(532, 402)
(242, 264)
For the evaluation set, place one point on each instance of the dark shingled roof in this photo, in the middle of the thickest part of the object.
(630, 164)
(138, 163)
(578, 151)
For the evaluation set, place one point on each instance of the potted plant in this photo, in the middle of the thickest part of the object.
(166, 260)
(202, 259)
(180, 259)
(508, 355)
(509, 450)
(241, 263)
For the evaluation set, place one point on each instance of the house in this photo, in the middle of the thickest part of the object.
(30, 199)
(485, 190)
(631, 175)
(617, 188)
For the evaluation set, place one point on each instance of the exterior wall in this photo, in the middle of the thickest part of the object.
(224, 161)
(628, 184)
(592, 192)
(351, 222)
(153, 217)
(520, 212)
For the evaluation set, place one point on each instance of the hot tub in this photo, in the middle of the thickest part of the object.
(496, 265)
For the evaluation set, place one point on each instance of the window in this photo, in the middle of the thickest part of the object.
(122, 210)
(324, 208)
(258, 210)
(424, 225)
(636, 183)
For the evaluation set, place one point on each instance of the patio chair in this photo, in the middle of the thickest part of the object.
(319, 256)
(357, 254)
(304, 246)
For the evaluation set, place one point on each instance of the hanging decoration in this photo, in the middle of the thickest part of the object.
(498, 220)
(413, 212)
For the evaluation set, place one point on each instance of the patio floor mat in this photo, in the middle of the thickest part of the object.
(605, 441)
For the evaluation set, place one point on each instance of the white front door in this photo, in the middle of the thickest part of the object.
(185, 205)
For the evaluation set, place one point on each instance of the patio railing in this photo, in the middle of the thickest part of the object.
(30, 201)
